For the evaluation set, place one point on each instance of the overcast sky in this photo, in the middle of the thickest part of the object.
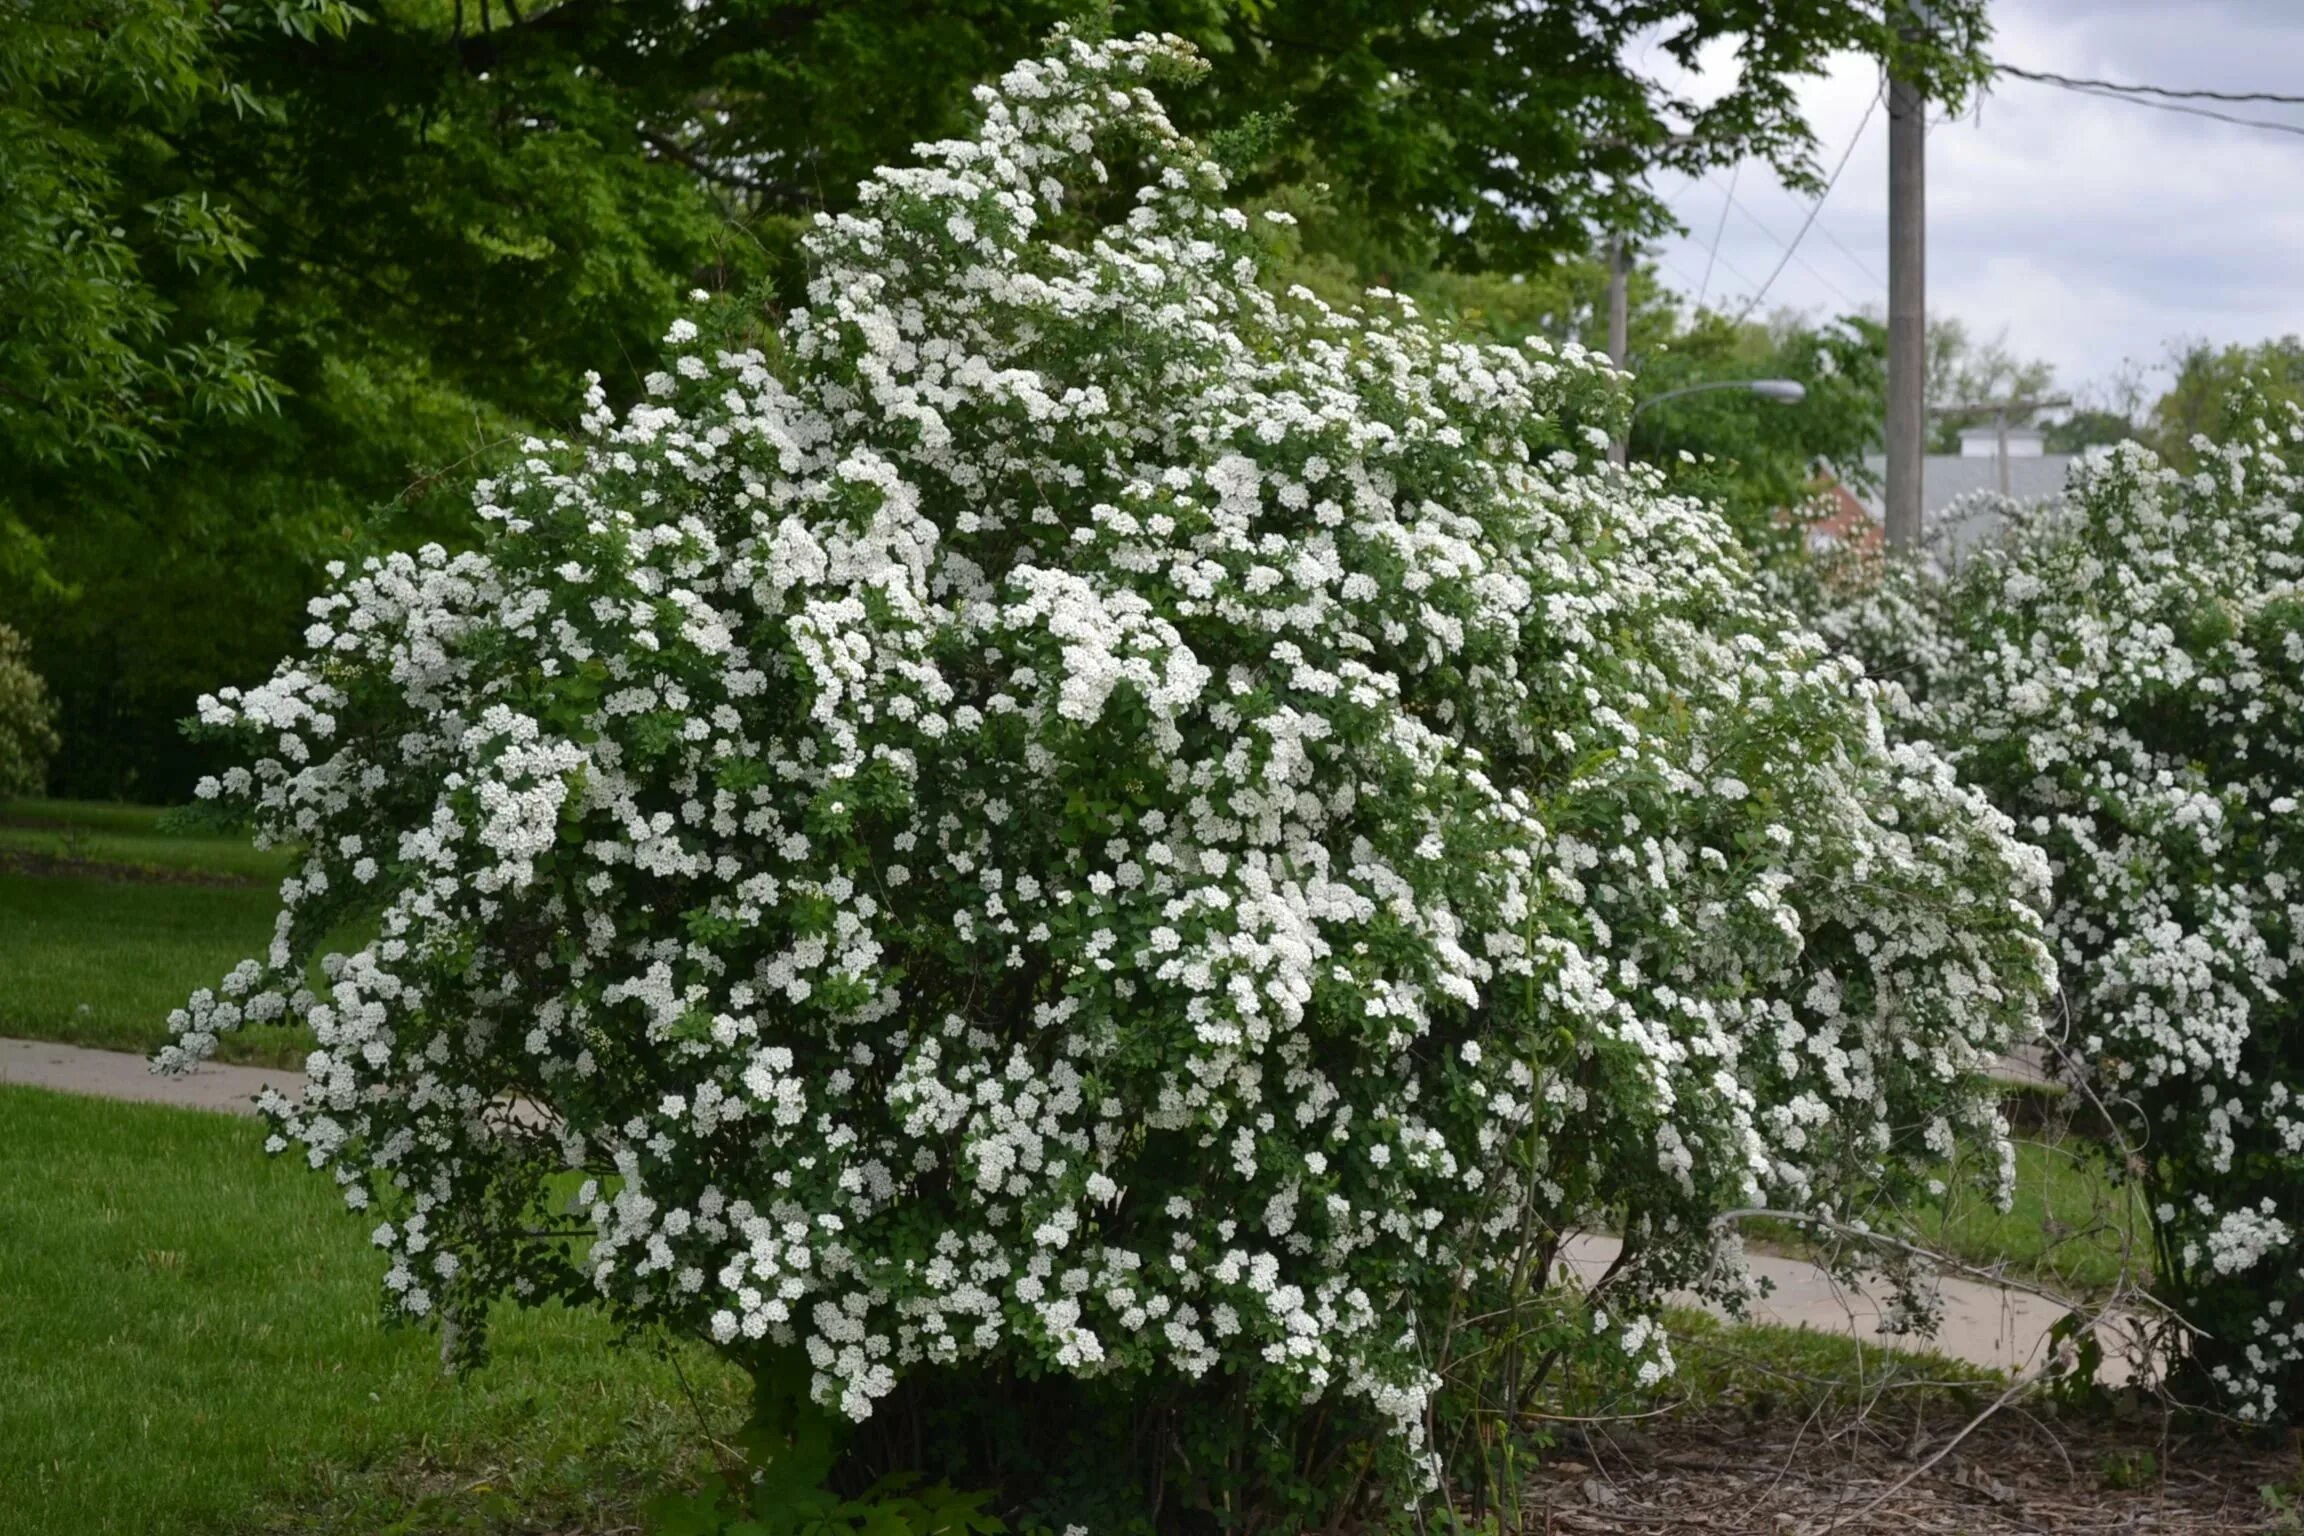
(2094, 232)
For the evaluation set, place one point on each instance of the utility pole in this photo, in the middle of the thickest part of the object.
(1619, 320)
(1907, 310)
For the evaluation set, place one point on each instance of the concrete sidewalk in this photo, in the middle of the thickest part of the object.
(1983, 1324)
(124, 1075)
(1986, 1325)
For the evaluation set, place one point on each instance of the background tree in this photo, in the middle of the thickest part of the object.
(118, 261)
(1764, 461)
(2088, 427)
(1964, 370)
(2208, 377)
(320, 255)
(1483, 135)
(405, 259)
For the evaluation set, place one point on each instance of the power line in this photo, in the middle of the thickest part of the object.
(1813, 209)
(2170, 106)
(1717, 231)
(1842, 246)
(1735, 272)
(2143, 95)
(2047, 77)
(1806, 265)
(1761, 225)
(1726, 265)
(1673, 267)
(1870, 276)
(1681, 273)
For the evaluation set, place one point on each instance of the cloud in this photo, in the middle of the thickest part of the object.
(2095, 233)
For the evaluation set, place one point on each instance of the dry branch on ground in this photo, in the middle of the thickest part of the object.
(2017, 1475)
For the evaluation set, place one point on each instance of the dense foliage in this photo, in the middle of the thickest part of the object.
(1494, 136)
(1056, 814)
(2207, 377)
(309, 258)
(2124, 675)
(403, 256)
(1763, 463)
(110, 247)
(27, 718)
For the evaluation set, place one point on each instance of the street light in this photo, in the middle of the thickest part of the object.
(1785, 391)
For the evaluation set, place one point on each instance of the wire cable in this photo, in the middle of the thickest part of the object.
(1717, 231)
(1767, 229)
(2048, 77)
(1733, 271)
(2170, 106)
(1814, 271)
(1673, 267)
(1814, 208)
(1863, 266)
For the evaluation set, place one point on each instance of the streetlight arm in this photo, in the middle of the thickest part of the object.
(1787, 391)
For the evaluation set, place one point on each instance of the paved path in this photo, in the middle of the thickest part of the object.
(1983, 1324)
(124, 1075)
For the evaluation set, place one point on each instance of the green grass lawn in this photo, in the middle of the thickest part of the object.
(2063, 1229)
(1763, 1371)
(1722, 1363)
(189, 1344)
(101, 962)
(134, 836)
(98, 954)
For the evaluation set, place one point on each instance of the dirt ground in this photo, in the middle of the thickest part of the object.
(2020, 1474)
(19, 861)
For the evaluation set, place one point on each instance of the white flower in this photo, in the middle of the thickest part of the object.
(2123, 672)
(1076, 814)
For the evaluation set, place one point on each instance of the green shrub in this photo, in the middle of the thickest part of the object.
(1077, 853)
(27, 719)
(2123, 672)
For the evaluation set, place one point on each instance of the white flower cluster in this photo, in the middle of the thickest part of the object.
(1063, 808)
(2124, 674)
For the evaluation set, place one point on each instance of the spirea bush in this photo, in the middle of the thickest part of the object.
(1060, 815)
(27, 719)
(2124, 674)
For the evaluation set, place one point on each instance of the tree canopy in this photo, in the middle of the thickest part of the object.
(117, 257)
(2208, 377)
(1758, 458)
(267, 269)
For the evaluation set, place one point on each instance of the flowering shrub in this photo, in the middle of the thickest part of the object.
(2124, 674)
(27, 718)
(1061, 814)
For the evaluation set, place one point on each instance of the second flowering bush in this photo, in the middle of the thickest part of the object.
(2124, 673)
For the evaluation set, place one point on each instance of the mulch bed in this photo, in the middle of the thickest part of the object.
(2016, 1475)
